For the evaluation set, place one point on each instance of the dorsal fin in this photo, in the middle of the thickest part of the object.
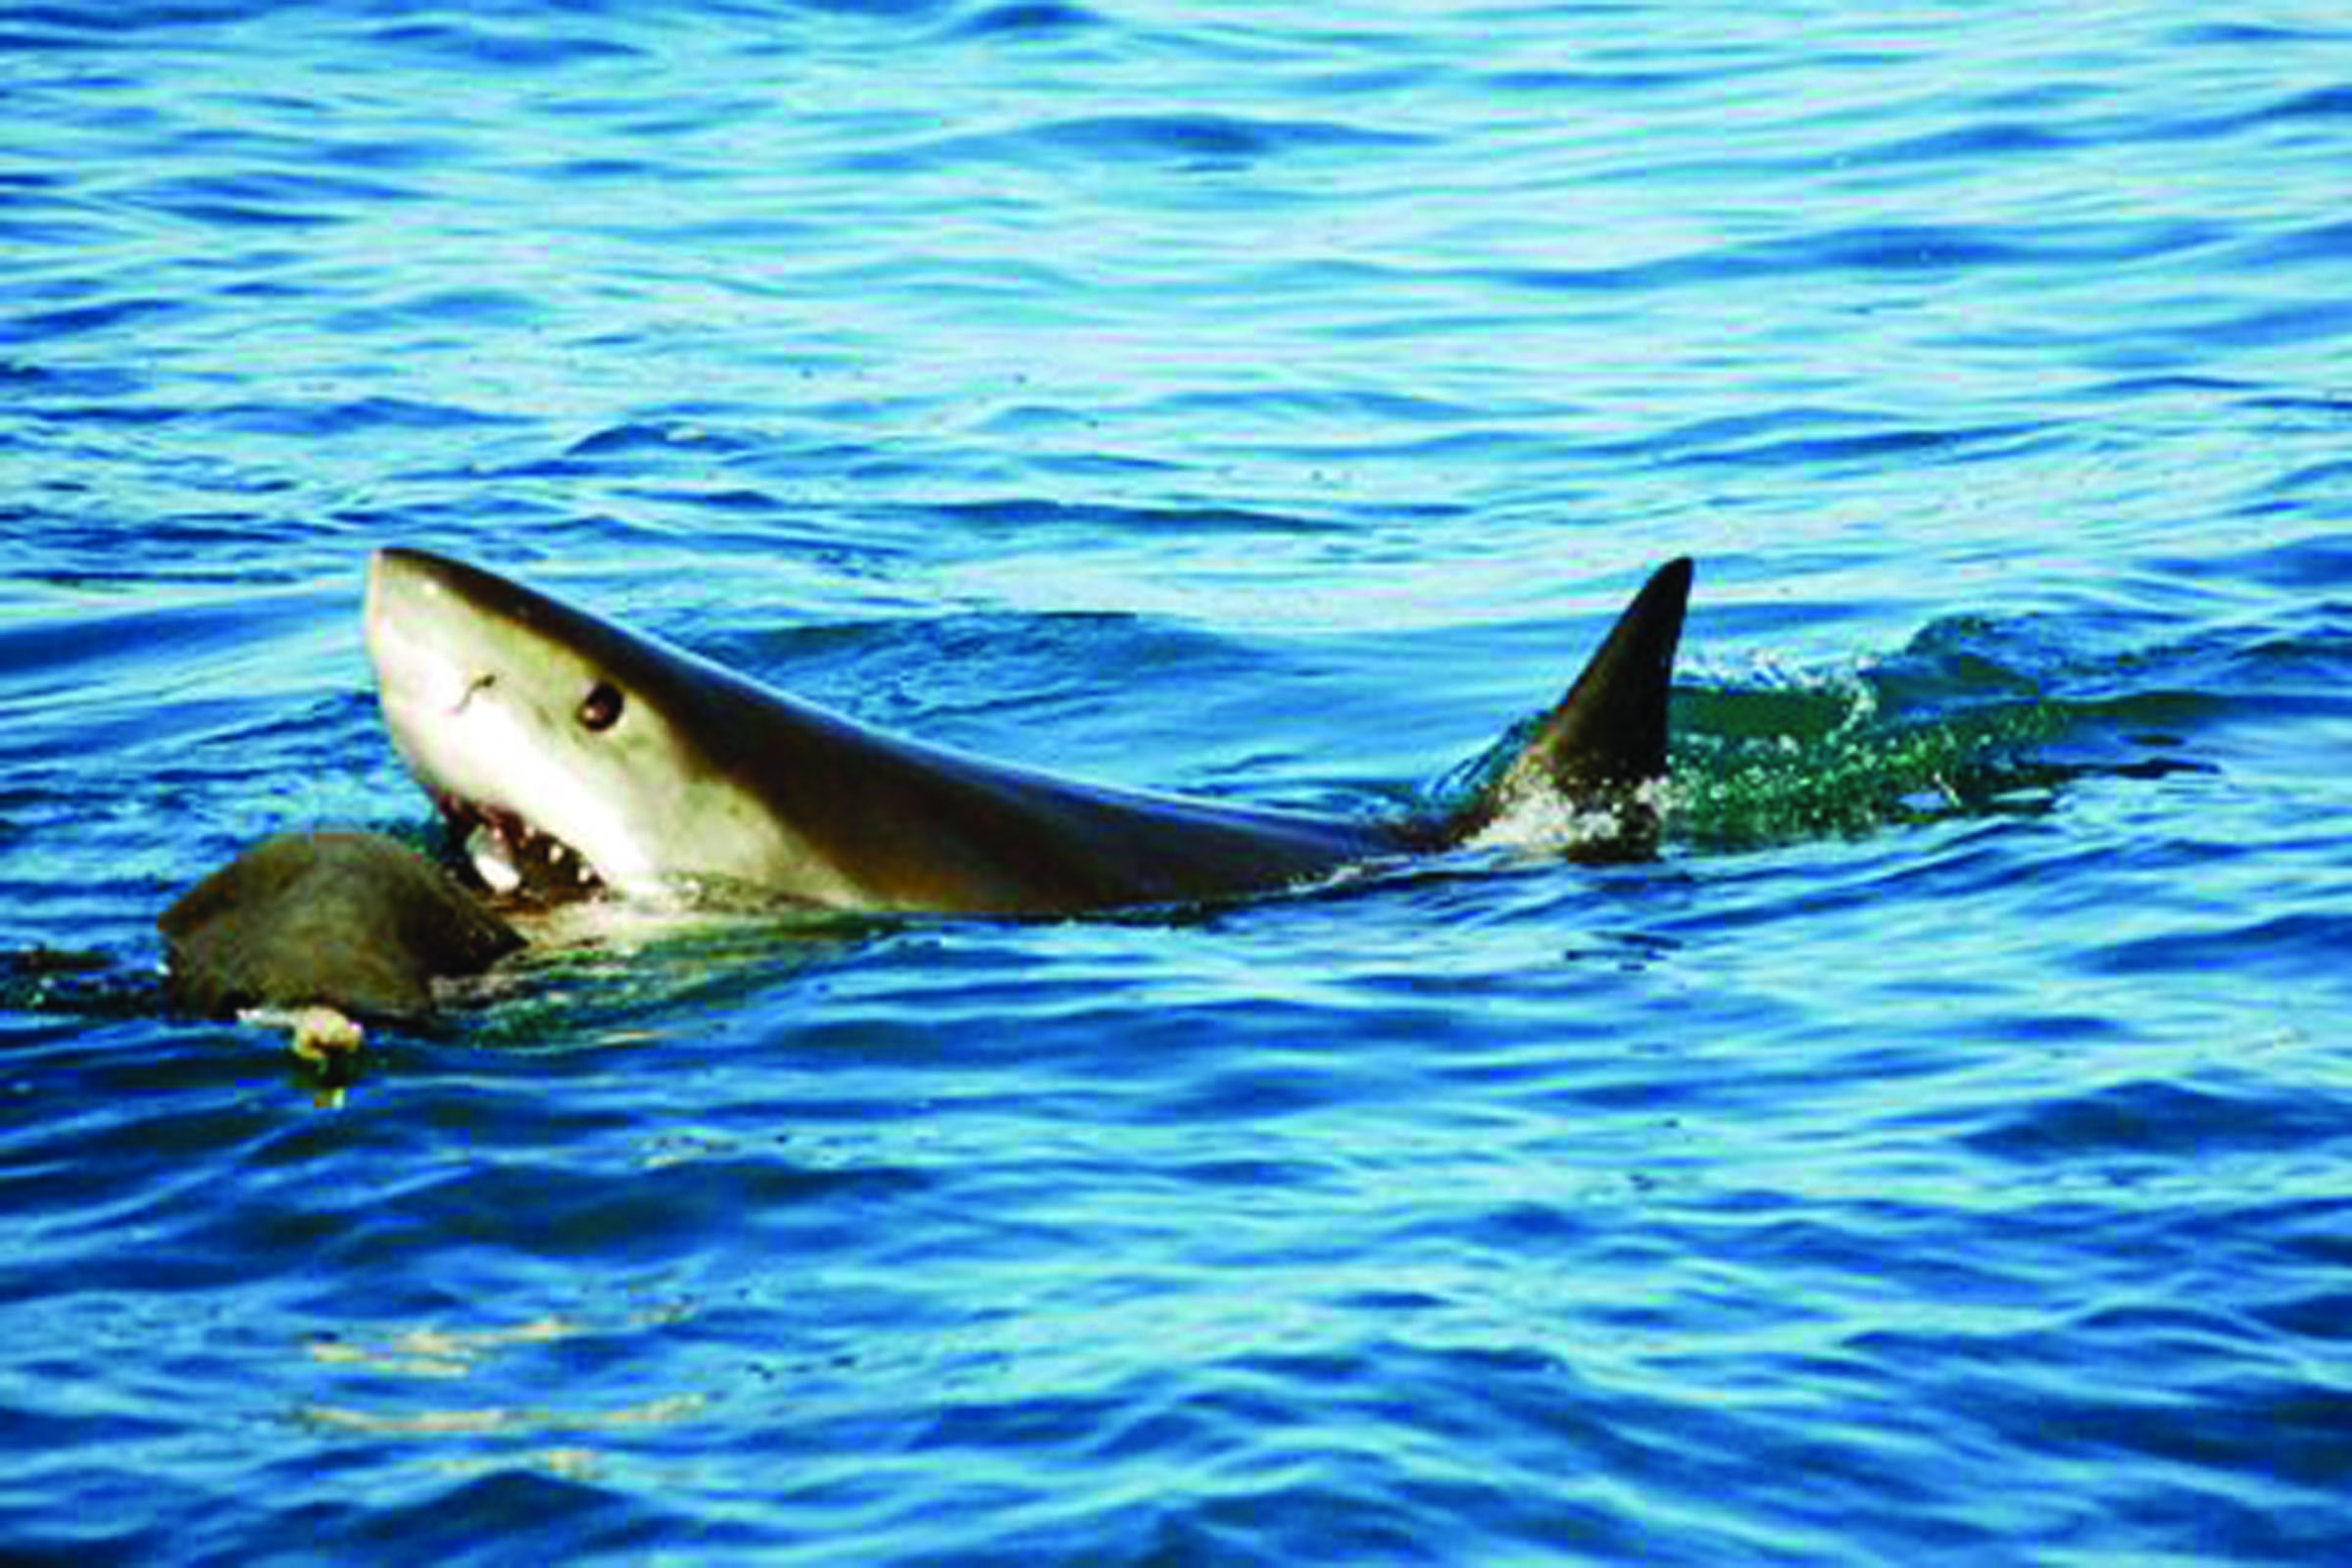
(1607, 736)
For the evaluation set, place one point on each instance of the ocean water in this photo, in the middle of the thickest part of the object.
(1942, 1151)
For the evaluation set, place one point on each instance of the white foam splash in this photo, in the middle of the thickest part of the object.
(1545, 821)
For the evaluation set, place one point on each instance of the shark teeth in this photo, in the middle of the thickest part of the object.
(515, 860)
(486, 848)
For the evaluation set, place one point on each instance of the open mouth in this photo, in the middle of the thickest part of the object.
(515, 860)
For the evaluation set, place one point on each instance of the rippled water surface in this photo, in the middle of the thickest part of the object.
(1938, 1154)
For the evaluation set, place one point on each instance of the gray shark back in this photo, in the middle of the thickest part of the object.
(930, 828)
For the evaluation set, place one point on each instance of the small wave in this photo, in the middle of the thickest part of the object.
(633, 446)
(2272, 325)
(475, 306)
(1874, 248)
(79, 321)
(1190, 141)
(1220, 137)
(463, 44)
(1551, 82)
(270, 199)
(596, 1517)
(1966, 143)
(2329, 241)
(2325, 102)
(2157, 1120)
(2236, 34)
(1981, 442)
(1030, 19)
(1027, 516)
(2288, 948)
(356, 417)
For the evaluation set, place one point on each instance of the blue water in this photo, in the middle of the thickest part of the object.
(1941, 1153)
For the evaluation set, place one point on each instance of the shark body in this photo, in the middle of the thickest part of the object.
(577, 754)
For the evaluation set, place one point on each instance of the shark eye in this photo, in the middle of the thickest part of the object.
(601, 708)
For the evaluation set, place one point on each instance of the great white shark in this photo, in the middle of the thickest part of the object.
(575, 754)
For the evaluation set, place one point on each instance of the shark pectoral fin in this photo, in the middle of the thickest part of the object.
(1607, 737)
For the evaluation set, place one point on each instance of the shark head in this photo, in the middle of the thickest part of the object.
(571, 755)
